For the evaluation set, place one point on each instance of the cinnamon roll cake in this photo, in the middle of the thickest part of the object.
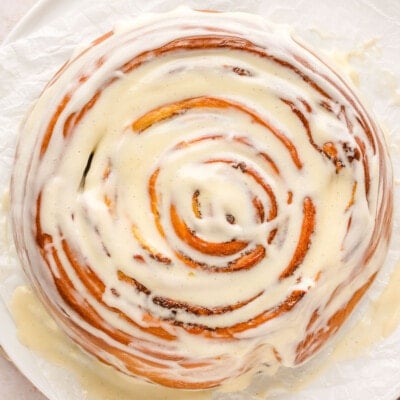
(197, 194)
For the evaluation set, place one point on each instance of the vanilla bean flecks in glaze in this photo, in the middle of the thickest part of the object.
(200, 194)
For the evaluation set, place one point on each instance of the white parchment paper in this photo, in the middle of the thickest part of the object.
(364, 33)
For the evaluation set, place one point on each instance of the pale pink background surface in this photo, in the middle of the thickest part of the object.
(14, 386)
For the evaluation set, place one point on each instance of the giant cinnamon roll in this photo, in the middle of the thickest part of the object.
(199, 194)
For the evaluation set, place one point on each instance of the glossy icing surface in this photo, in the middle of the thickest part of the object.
(37, 330)
(200, 195)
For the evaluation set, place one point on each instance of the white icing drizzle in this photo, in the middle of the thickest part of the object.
(147, 147)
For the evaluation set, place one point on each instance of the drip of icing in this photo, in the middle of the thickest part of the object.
(37, 330)
(379, 321)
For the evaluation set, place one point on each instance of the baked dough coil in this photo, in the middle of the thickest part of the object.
(198, 194)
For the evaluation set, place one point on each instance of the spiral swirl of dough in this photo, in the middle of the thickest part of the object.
(199, 194)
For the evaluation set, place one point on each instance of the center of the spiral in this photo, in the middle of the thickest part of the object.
(213, 201)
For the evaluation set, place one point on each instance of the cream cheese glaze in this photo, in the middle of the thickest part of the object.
(198, 194)
(37, 330)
